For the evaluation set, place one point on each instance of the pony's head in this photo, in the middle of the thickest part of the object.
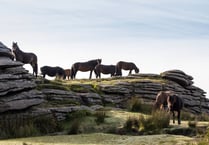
(136, 70)
(99, 61)
(14, 46)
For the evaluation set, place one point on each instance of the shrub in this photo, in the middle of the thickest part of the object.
(137, 105)
(12, 126)
(75, 126)
(76, 118)
(134, 104)
(161, 119)
(187, 116)
(77, 115)
(192, 124)
(203, 117)
(156, 121)
(131, 124)
(47, 124)
(205, 140)
(100, 117)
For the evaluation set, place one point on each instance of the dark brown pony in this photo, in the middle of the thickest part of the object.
(26, 57)
(56, 71)
(105, 69)
(68, 73)
(175, 103)
(125, 66)
(84, 66)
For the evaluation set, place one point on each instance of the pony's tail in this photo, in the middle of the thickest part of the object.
(36, 69)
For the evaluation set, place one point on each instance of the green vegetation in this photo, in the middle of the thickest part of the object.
(19, 126)
(137, 105)
(147, 124)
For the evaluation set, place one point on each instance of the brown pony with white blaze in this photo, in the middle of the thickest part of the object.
(161, 99)
(170, 99)
(25, 57)
(125, 66)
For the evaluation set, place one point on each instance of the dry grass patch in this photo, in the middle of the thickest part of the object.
(101, 139)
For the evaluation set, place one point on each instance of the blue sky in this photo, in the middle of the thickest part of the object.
(157, 35)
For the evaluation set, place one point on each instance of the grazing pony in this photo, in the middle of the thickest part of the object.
(125, 66)
(53, 71)
(84, 66)
(171, 100)
(175, 103)
(105, 69)
(68, 73)
(25, 57)
(161, 100)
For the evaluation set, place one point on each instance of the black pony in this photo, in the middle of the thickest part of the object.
(125, 66)
(53, 71)
(175, 103)
(84, 66)
(26, 57)
(105, 69)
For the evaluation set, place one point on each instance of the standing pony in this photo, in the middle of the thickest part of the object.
(125, 66)
(105, 69)
(53, 71)
(68, 73)
(84, 66)
(25, 57)
(175, 103)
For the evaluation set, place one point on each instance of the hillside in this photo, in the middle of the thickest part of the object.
(21, 92)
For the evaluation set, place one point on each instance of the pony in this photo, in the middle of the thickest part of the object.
(25, 57)
(169, 101)
(84, 66)
(53, 71)
(175, 103)
(105, 69)
(125, 66)
(68, 73)
(161, 99)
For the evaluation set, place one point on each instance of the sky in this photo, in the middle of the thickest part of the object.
(157, 35)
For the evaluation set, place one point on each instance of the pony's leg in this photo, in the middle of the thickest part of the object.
(35, 69)
(72, 73)
(179, 114)
(173, 117)
(75, 72)
(130, 72)
(96, 73)
(90, 74)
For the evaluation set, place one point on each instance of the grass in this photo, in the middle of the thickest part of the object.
(100, 139)
(114, 118)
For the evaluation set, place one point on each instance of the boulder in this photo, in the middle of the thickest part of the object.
(178, 76)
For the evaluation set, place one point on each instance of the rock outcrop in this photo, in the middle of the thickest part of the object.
(17, 87)
(21, 92)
